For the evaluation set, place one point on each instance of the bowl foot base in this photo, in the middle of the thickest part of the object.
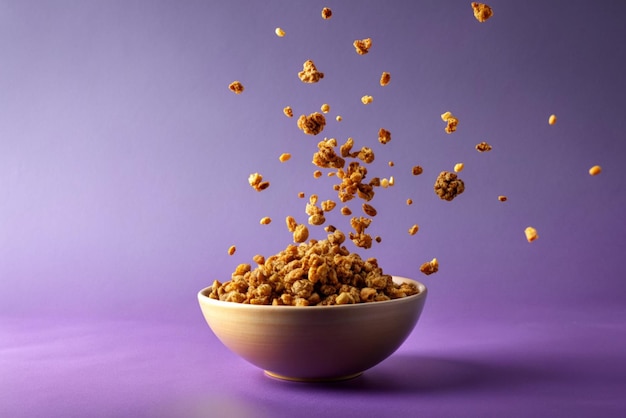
(312, 380)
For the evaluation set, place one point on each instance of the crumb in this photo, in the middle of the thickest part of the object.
(231, 250)
(236, 87)
(430, 267)
(448, 186)
(552, 119)
(326, 13)
(378, 239)
(409, 202)
(325, 108)
(417, 170)
(309, 73)
(338, 118)
(312, 124)
(458, 167)
(482, 12)
(502, 198)
(266, 220)
(362, 46)
(301, 195)
(385, 78)
(288, 112)
(531, 234)
(413, 230)
(483, 147)
(391, 164)
(595, 170)
(284, 157)
(279, 32)
(367, 99)
(317, 174)
(384, 183)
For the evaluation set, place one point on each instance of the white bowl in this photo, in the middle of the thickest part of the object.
(314, 343)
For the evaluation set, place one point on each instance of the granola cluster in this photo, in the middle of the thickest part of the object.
(312, 124)
(448, 185)
(309, 73)
(315, 273)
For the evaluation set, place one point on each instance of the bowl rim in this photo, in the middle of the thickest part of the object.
(204, 298)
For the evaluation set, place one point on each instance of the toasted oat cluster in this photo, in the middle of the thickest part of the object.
(362, 46)
(448, 185)
(483, 147)
(482, 12)
(316, 273)
(430, 267)
(384, 136)
(367, 99)
(326, 13)
(312, 124)
(385, 78)
(451, 122)
(309, 73)
(257, 183)
(288, 111)
(236, 87)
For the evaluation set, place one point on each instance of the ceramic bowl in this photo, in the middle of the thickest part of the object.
(314, 343)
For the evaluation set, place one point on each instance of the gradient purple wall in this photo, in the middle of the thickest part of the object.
(124, 158)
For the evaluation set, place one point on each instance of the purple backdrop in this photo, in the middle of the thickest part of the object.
(124, 161)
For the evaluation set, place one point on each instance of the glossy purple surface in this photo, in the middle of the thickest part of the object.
(124, 161)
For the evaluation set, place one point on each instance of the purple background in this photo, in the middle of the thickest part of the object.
(123, 180)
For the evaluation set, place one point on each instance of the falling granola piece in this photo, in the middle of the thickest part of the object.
(409, 201)
(279, 32)
(256, 181)
(362, 46)
(367, 99)
(236, 87)
(531, 234)
(417, 170)
(325, 108)
(317, 174)
(385, 78)
(448, 185)
(338, 118)
(502, 198)
(266, 220)
(552, 119)
(458, 167)
(384, 136)
(231, 250)
(300, 233)
(312, 124)
(413, 230)
(482, 12)
(483, 147)
(326, 13)
(309, 73)
(595, 170)
(285, 156)
(430, 267)
(451, 122)
(288, 111)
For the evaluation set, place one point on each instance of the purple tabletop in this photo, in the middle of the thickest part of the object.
(124, 164)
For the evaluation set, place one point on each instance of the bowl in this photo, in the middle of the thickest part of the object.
(314, 343)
